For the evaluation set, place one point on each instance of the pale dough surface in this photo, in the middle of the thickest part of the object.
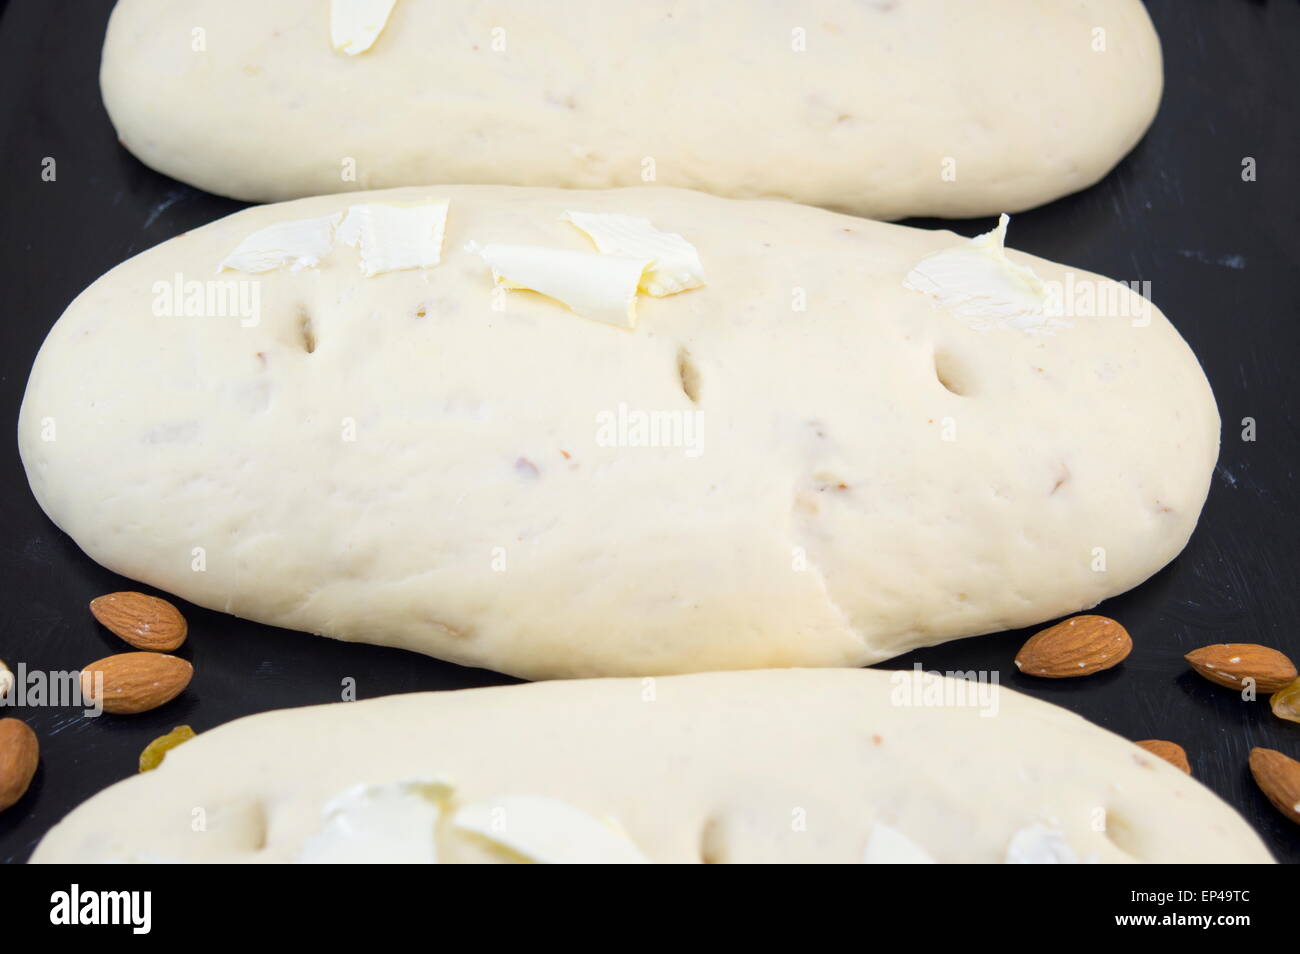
(477, 513)
(788, 766)
(1014, 92)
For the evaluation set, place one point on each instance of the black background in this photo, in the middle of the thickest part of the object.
(1221, 255)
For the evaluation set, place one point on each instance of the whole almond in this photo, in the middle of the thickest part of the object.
(19, 753)
(1078, 646)
(1171, 752)
(1278, 777)
(136, 682)
(1229, 664)
(146, 622)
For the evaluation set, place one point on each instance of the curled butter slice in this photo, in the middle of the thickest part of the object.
(356, 24)
(674, 262)
(299, 243)
(394, 237)
(547, 831)
(390, 823)
(602, 287)
(985, 289)
(889, 846)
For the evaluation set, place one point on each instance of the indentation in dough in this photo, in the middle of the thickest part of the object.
(689, 375)
(952, 374)
(306, 331)
(239, 825)
(805, 540)
(1123, 834)
(712, 848)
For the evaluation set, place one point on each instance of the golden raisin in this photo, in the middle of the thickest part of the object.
(157, 750)
(1286, 702)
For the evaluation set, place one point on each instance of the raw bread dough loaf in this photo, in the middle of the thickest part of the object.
(790, 766)
(890, 109)
(847, 469)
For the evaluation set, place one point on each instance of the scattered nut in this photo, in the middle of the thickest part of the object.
(136, 682)
(1078, 646)
(19, 754)
(146, 622)
(1171, 752)
(1230, 664)
(1278, 777)
(157, 750)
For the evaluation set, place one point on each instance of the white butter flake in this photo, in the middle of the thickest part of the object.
(1039, 845)
(393, 237)
(391, 823)
(547, 831)
(889, 846)
(601, 287)
(356, 24)
(675, 263)
(984, 289)
(297, 244)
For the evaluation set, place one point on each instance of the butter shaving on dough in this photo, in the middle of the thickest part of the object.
(356, 24)
(602, 287)
(675, 263)
(393, 237)
(547, 831)
(985, 289)
(299, 244)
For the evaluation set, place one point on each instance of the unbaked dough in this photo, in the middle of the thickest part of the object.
(804, 462)
(885, 108)
(776, 766)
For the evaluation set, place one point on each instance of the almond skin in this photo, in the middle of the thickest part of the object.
(19, 753)
(1078, 646)
(137, 682)
(1278, 777)
(146, 622)
(1229, 664)
(1171, 752)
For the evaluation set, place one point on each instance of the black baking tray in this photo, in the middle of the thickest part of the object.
(1220, 253)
